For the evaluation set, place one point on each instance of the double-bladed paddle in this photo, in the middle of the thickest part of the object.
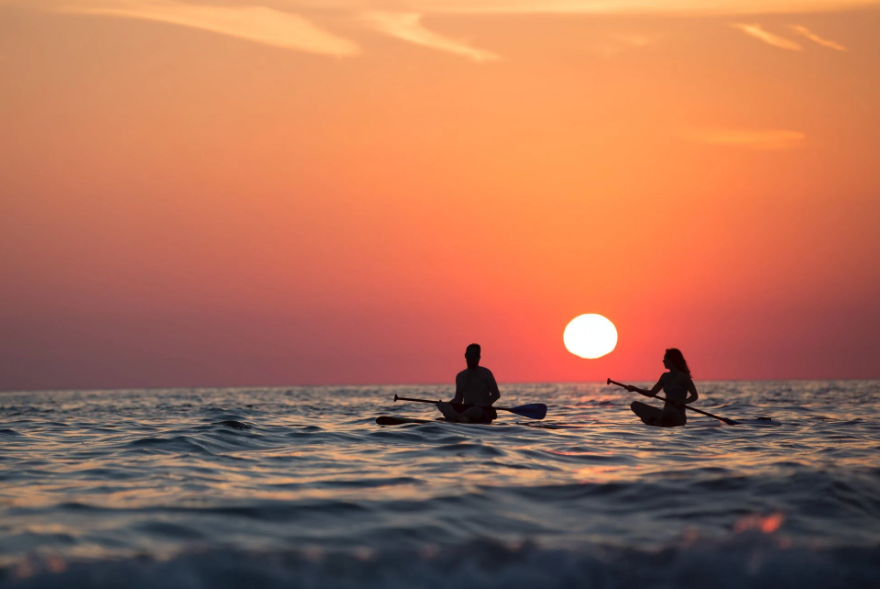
(533, 411)
(725, 419)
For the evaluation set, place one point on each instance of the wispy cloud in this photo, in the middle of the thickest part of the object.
(756, 31)
(286, 24)
(691, 7)
(408, 27)
(632, 39)
(749, 138)
(809, 34)
(684, 7)
(613, 44)
(252, 23)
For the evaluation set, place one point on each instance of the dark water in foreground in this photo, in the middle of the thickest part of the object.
(300, 488)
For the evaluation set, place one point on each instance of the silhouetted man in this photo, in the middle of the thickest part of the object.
(476, 391)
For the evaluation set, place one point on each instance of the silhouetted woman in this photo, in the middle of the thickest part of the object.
(678, 388)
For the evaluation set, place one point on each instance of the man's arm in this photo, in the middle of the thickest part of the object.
(458, 397)
(494, 394)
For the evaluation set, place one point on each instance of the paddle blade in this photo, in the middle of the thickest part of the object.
(534, 411)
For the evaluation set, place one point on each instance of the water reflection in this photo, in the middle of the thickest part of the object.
(117, 472)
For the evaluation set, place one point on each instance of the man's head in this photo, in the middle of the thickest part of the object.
(472, 355)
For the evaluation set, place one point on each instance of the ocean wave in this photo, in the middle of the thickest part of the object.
(234, 424)
(176, 444)
(607, 502)
(749, 559)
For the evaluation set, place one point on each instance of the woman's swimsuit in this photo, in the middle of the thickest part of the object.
(676, 391)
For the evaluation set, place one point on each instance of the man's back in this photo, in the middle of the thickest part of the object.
(476, 389)
(476, 385)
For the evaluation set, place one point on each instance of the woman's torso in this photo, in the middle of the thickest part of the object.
(676, 390)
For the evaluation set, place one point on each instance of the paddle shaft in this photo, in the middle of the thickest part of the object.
(725, 419)
(533, 411)
(397, 398)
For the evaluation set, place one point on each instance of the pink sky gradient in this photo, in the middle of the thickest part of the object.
(351, 196)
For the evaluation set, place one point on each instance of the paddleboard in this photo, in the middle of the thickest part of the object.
(392, 420)
(757, 421)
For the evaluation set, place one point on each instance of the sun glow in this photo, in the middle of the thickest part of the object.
(590, 336)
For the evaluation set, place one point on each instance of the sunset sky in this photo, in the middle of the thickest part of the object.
(284, 192)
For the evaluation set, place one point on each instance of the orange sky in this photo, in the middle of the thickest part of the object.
(293, 192)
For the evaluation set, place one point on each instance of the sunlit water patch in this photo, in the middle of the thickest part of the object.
(282, 487)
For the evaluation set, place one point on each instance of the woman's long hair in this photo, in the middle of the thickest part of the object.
(678, 360)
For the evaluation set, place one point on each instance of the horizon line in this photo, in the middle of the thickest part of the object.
(303, 386)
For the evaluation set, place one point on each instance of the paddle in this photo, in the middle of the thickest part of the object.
(725, 419)
(533, 411)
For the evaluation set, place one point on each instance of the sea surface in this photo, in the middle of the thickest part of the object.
(298, 487)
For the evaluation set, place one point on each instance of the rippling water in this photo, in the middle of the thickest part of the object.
(300, 487)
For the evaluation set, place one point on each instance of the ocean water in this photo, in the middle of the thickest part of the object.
(298, 487)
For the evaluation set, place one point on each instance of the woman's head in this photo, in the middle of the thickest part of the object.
(676, 360)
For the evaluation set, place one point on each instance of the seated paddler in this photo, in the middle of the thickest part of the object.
(476, 391)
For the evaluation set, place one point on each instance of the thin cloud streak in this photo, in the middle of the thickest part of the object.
(809, 34)
(749, 138)
(407, 27)
(631, 7)
(634, 7)
(611, 45)
(756, 31)
(258, 24)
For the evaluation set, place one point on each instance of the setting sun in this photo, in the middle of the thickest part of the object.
(590, 336)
